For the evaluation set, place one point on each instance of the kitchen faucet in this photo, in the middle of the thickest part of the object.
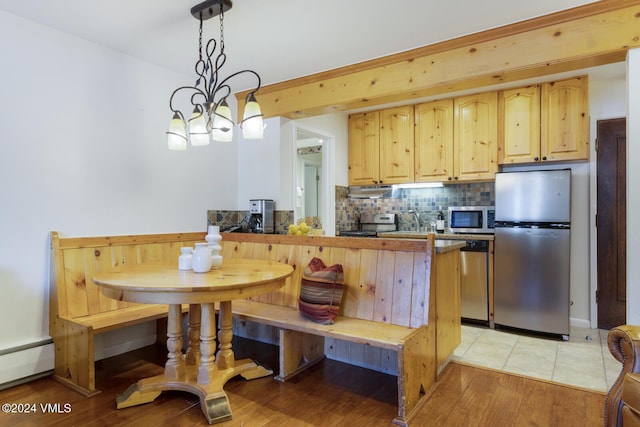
(416, 217)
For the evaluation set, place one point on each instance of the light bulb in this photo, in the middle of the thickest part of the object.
(222, 125)
(198, 128)
(177, 133)
(252, 124)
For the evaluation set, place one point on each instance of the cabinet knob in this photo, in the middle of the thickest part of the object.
(455, 177)
(536, 159)
(449, 178)
(544, 158)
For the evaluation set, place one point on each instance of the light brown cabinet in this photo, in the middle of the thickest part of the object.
(381, 147)
(396, 145)
(475, 137)
(448, 323)
(519, 125)
(542, 123)
(565, 120)
(466, 138)
(364, 148)
(434, 149)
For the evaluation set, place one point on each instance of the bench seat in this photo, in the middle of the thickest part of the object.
(388, 307)
(128, 316)
(360, 331)
(77, 308)
(301, 345)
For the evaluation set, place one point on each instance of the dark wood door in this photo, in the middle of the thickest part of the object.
(611, 223)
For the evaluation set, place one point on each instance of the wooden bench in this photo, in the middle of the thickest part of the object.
(78, 310)
(389, 304)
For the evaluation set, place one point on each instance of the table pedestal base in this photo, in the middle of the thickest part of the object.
(213, 399)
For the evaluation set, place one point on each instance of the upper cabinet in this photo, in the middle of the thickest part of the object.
(364, 148)
(396, 145)
(547, 122)
(381, 147)
(466, 138)
(519, 125)
(565, 120)
(434, 141)
(475, 137)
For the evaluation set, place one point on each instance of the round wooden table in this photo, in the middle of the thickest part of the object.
(198, 371)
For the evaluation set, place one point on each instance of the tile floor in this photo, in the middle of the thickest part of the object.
(583, 361)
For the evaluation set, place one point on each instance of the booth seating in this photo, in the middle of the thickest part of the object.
(389, 302)
(78, 310)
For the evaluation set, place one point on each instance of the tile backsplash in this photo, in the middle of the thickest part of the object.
(228, 218)
(426, 201)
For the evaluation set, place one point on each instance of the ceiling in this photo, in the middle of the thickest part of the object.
(280, 39)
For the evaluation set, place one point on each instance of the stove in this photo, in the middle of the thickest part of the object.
(371, 224)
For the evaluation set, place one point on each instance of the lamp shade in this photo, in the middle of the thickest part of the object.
(198, 128)
(222, 125)
(252, 124)
(177, 133)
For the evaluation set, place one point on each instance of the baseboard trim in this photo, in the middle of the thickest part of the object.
(26, 362)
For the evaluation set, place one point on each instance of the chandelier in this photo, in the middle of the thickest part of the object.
(211, 117)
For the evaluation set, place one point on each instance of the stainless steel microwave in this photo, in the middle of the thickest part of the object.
(472, 219)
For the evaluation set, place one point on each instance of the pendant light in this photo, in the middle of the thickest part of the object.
(211, 117)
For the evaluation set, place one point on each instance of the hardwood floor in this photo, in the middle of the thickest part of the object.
(330, 394)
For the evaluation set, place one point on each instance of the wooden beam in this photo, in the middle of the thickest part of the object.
(595, 34)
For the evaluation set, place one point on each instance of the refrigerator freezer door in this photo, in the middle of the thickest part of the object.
(531, 288)
(536, 196)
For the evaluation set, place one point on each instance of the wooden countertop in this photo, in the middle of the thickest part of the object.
(396, 240)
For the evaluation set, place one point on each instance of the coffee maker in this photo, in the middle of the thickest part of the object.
(261, 219)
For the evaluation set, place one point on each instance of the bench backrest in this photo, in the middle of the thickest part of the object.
(387, 280)
(74, 261)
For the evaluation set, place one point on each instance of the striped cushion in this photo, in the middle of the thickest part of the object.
(321, 291)
(316, 292)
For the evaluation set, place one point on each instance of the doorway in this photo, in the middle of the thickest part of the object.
(310, 203)
(611, 222)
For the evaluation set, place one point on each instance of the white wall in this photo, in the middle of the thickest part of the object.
(83, 152)
(633, 187)
(607, 100)
(259, 164)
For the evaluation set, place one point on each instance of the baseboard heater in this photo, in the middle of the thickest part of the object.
(26, 362)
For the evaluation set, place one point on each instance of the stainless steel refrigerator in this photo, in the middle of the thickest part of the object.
(532, 251)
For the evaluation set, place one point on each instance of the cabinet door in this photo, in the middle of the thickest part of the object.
(565, 120)
(434, 141)
(364, 148)
(519, 125)
(396, 145)
(476, 136)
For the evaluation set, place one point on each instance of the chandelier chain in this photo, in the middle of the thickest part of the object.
(221, 27)
(200, 40)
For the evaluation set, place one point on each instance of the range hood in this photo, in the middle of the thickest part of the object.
(370, 191)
